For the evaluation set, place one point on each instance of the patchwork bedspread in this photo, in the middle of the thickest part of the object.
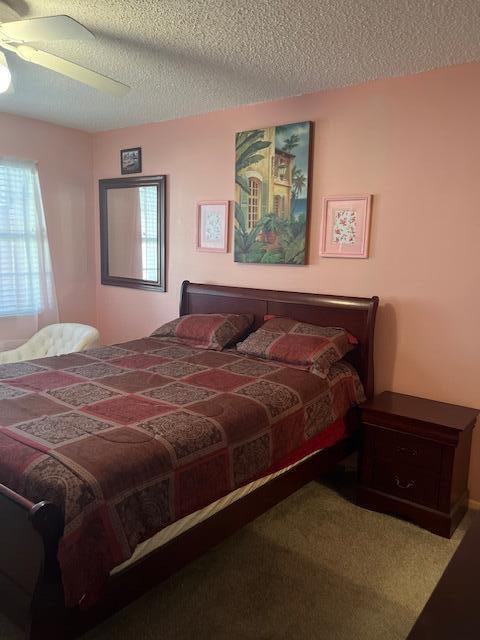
(128, 438)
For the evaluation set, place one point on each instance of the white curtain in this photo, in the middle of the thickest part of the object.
(27, 290)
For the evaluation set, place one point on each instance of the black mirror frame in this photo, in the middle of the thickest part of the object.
(122, 183)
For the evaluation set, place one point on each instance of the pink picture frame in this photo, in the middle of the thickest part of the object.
(345, 228)
(212, 226)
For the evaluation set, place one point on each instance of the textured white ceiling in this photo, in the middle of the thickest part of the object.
(184, 57)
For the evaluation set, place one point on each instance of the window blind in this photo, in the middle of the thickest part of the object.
(149, 231)
(26, 283)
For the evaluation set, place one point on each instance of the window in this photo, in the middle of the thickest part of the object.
(149, 231)
(254, 185)
(26, 281)
(278, 202)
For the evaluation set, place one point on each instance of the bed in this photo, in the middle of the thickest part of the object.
(187, 447)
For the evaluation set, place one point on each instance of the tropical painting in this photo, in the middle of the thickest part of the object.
(271, 194)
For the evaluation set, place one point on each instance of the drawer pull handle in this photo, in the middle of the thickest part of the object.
(412, 452)
(404, 485)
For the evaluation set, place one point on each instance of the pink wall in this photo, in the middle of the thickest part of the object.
(414, 143)
(64, 159)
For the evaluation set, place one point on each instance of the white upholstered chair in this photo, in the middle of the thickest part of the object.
(54, 340)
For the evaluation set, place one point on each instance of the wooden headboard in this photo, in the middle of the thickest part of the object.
(357, 315)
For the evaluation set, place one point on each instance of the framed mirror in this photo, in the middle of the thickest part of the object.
(132, 232)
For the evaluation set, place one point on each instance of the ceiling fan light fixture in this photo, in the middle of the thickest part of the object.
(13, 36)
(5, 76)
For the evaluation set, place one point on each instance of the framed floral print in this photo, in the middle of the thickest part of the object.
(212, 226)
(345, 226)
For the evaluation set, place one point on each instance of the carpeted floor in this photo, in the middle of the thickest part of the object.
(314, 567)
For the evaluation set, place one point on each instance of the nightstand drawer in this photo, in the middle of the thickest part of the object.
(402, 448)
(406, 481)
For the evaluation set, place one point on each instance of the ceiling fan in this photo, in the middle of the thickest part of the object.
(15, 35)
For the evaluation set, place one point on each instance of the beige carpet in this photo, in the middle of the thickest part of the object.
(314, 567)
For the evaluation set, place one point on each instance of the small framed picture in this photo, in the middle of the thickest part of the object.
(345, 226)
(131, 160)
(212, 226)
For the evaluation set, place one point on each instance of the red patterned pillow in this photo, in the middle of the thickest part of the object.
(299, 344)
(207, 330)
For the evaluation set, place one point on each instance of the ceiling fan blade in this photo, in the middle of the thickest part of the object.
(47, 28)
(72, 70)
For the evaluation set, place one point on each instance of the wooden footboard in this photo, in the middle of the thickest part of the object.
(30, 580)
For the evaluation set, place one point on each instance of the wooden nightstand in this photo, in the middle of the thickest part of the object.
(415, 459)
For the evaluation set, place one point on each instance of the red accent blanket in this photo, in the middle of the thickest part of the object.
(129, 438)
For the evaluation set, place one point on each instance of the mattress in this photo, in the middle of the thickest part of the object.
(129, 439)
